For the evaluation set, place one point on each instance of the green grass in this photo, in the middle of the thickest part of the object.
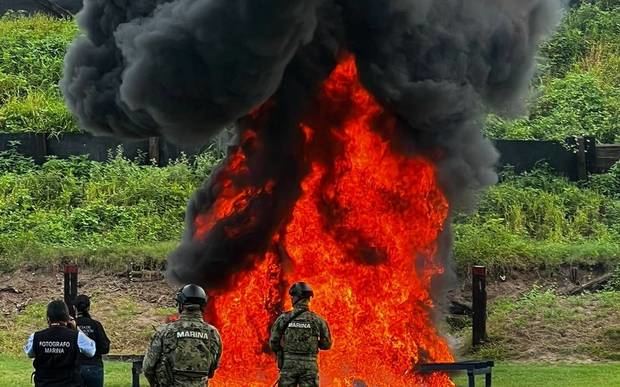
(16, 372)
(538, 220)
(551, 375)
(103, 215)
(31, 58)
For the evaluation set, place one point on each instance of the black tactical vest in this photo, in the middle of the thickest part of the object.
(56, 357)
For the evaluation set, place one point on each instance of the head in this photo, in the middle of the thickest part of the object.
(82, 304)
(57, 312)
(191, 297)
(300, 291)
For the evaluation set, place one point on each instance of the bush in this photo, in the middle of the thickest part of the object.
(101, 213)
(541, 219)
(583, 29)
(32, 51)
(578, 92)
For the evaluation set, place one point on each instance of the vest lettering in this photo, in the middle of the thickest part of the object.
(192, 335)
(303, 325)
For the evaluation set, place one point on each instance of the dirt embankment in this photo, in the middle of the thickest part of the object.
(128, 307)
(529, 315)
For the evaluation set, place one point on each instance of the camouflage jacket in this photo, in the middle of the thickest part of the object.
(184, 353)
(303, 337)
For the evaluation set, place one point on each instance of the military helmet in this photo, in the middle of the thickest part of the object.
(301, 290)
(191, 294)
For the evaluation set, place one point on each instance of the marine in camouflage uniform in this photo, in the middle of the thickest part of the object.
(297, 336)
(184, 353)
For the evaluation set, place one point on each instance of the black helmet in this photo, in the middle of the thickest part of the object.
(300, 291)
(191, 294)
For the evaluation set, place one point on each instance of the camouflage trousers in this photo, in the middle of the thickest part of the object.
(299, 372)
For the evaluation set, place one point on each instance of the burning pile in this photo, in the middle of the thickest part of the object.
(358, 136)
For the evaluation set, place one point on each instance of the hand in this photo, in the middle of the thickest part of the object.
(71, 324)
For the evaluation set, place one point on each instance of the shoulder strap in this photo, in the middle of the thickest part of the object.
(290, 319)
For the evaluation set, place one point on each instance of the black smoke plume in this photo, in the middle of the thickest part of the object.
(183, 69)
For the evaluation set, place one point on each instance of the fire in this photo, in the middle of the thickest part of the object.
(363, 234)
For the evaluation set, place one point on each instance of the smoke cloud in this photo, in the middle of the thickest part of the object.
(184, 69)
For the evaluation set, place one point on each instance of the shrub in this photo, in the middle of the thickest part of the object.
(97, 212)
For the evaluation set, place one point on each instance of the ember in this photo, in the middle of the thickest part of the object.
(366, 214)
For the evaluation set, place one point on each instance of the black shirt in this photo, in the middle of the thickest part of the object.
(94, 330)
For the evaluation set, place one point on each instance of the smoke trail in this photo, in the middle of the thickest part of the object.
(186, 68)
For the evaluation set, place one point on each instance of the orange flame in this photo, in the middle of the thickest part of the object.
(363, 234)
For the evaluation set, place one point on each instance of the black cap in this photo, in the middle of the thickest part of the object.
(191, 294)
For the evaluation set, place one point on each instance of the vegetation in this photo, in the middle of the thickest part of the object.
(103, 214)
(31, 56)
(578, 88)
(537, 219)
(108, 214)
(542, 324)
(16, 372)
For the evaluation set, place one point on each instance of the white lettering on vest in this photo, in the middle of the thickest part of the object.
(192, 335)
(87, 329)
(299, 325)
(44, 344)
(54, 350)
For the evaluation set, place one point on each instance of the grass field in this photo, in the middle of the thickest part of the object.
(15, 372)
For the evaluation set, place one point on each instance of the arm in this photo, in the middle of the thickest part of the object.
(152, 358)
(86, 345)
(218, 353)
(103, 343)
(29, 348)
(325, 337)
(276, 335)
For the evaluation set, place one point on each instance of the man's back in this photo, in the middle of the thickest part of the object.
(184, 352)
(297, 336)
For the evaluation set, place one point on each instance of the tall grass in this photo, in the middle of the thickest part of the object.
(538, 219)
(100, 213)
(31, 56)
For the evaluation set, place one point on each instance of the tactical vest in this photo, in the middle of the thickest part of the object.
(301, 336)
(188, 353)
(56, 358)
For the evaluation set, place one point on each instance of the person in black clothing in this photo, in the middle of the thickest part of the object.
(91, 369)
(56, 350)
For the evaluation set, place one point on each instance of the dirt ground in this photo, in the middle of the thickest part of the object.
(23, 287)
(132, 304)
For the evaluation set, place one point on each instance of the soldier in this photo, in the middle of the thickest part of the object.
(296, 337)
(56, 349)
(184, 353)
(91, 369)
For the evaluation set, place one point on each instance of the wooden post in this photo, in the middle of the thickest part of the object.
(479, 305)
(71, 282)
(136, 369)
(582, 168)
(154, 150)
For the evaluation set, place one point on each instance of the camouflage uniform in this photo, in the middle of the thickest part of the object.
(300, 342)
(184, 353)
